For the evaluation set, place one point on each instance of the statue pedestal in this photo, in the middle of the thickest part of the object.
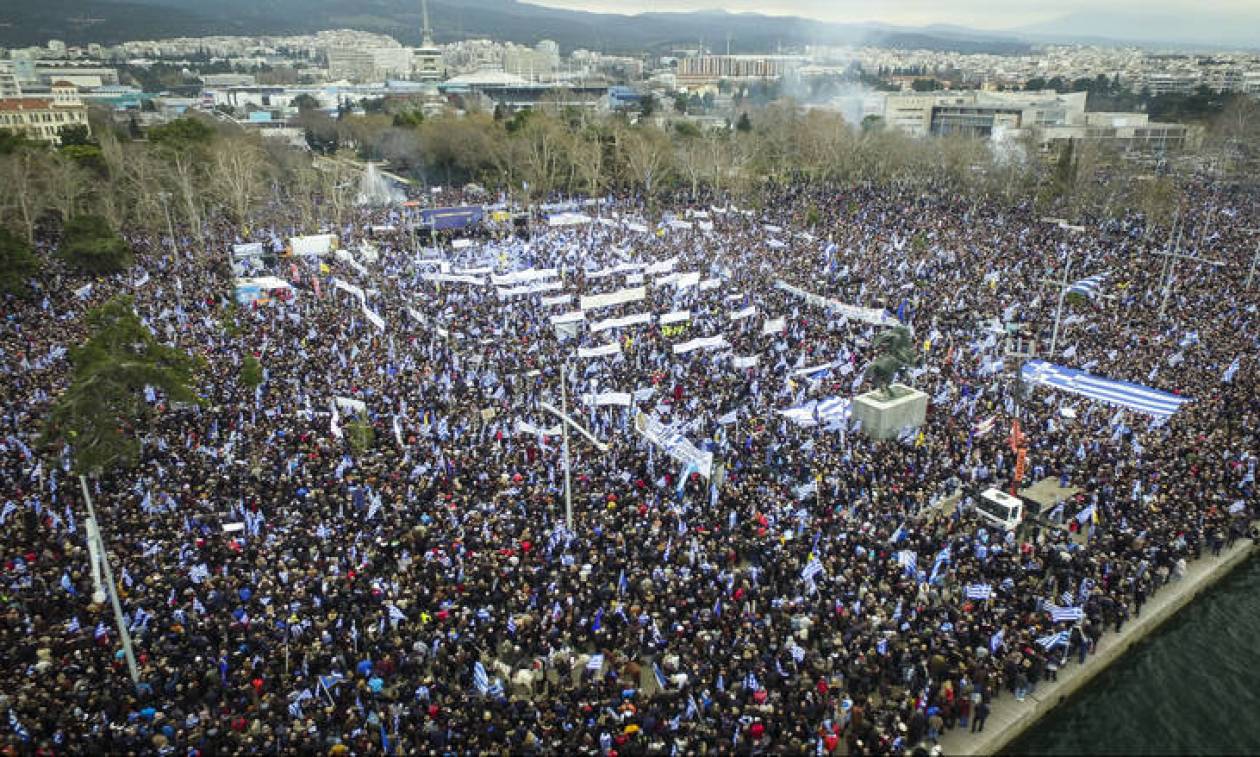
(884, 418)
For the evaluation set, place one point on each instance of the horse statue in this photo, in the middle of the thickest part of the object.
(895, 349)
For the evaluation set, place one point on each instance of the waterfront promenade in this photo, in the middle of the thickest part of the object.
(1010, 718)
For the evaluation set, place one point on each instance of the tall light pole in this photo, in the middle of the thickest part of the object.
(565, 421)
(1062, 283)
(1255, 259)
(170, 227)
(123, 633)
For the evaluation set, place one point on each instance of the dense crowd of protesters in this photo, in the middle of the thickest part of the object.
(369, 587)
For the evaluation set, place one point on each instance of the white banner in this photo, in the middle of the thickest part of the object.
(350, 405)
(319, 244)
(607, 398)
(571, 317)
(542, 286)
(612, 348)
(745, 362)
(251, 250)
(876, 316)
(702, 343)
(774, 325)
(453, 278)
(349, 260)
(559, 299)
(520, 277)
(644, 394)
(664, 266)
(708, 284)
(674, 444)
(416, 315)
(634, 278)
(680, 280)
(616, 323)
(675, 317)
(376, 320)
(523, 427)
(614, 298)
(351, 288)
(747, 312)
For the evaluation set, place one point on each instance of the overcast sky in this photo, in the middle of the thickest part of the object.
(979, 14)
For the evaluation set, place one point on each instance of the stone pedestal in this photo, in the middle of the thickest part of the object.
(884, 418)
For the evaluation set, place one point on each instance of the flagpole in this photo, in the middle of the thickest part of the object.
(123, 634)
(564, 431)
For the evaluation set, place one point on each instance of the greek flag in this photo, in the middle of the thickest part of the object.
(72, 626)
(1055, 639)
(17, 727)
(909, 560)
(396, 615)
(660, 676)
(511, 625)
(596, 663)
(1088, 287)
(751, 683)
(996, 640)
(979, 592)
(9, 508)
(941, 559)
(100, 631)
(798, 653)
(481, 681)
(1066, 614)
(812, 568)
(1133, 396)
(622, 583)
(1228, 376)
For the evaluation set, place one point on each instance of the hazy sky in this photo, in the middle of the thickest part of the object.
(979, 14)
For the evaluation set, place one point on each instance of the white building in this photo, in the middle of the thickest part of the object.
(43, 118)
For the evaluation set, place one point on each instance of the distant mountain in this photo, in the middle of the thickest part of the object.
(1204, 29)
(33, 22)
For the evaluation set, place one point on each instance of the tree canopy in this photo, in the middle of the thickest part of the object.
(92, 246)
(99, 413)
(17, 264)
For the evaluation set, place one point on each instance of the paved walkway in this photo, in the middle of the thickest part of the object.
(1009, 718)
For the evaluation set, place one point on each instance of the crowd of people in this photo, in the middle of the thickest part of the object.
(417, 589)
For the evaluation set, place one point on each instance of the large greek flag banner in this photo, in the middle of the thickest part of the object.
(1143, 399)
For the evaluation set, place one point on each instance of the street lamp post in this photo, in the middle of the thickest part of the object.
(123, 633)
(170, 227)
(565, 421)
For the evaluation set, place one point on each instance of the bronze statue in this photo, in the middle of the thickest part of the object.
(895, 348)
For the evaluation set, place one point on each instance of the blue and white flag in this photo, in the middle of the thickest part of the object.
(751, 683)
(661, 681)
(481, 681)
(596, 663)
(1122, 393)
(996, 640)
(1228, 376)
(1055, 639)
(396, 615)
(17, 726)
(1088, 287)
(1066, 614)
(979, 592)
(907, 559)
(812, 568)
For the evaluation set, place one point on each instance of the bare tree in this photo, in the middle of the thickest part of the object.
(647, 155)
(236, 173)
(68, 184)
(25, 195)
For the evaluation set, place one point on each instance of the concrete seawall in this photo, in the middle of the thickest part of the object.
(1009, 718)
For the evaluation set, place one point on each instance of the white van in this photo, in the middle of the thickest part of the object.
(1000, 509)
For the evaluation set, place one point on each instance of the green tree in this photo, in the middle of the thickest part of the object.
(361, 435)
(744, 124)
(304, 102)
(75, 134)
(680, 103)
(182, 133)
(99, 413)
(17, 264)
(251, 376)
(91, 246)
(11, 142)
(647, 105)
